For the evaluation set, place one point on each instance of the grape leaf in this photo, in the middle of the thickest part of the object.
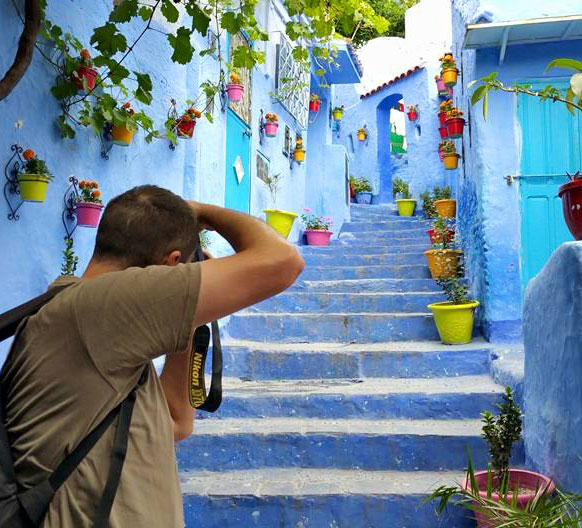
(170, 11)
(180, 42)
(124, 11)
(108, 40)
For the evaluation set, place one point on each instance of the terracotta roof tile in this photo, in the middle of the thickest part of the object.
(393, 81)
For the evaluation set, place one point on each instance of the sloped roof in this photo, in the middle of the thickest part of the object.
(393, 81)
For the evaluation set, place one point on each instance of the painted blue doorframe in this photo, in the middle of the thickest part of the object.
(552, 143)
(238, 152)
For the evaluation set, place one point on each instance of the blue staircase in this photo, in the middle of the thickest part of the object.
(341, 408)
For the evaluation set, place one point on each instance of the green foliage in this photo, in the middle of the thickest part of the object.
(490, 83)
(401, 188)
(455, 291)
(361, 185)
(501, 432)
(205, 239)
(442, 230)
(428, 206)
(37, 166)
(314, 222)
(70, 260)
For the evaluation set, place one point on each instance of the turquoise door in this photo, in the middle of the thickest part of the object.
(238, 177)
(552, 142)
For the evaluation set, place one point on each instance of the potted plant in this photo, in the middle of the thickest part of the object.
(503, 496)
(444, 261)
(85, 75)
(317, 230)
(412, 112)
(88, 204)
(280, 221)
(314, 103)
(441, 229)
(442, 89)
(186, 123)
(450, 156)
(455, 123)
(362, 134)
(449, 71)
(571, 195)
(271, 125)
(444, 108)
(338, 113)
(34, 178)
(234, 88)
(363, 191)
(445, 206)
(406, 204)
(299, 152)
(428, 207)
(352, 185)
(123, 127)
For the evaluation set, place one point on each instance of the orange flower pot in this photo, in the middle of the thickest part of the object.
(121, 136)
(451, 160)
(446, 208)
(443, 263)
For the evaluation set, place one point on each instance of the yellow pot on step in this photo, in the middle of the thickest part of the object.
(33, 187)
(454, 322)
(406, 207)
(280, 221)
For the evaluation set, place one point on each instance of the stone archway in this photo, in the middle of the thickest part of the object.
(385, 159)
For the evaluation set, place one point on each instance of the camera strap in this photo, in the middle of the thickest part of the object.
(199, 398)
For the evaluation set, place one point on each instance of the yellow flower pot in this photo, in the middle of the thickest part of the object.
(454, 322)
(446, 208)
(280, 221)
(451, 160)
(449, 76)
(121, 136)
(443, 263)
(33, 187)
(361, 136)
(337, 115)
(406, 207)
(299, 155)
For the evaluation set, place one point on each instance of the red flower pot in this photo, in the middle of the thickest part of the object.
(185, 129)
(352, 192)
(571, 195)
(455, 127)
(442, 118)
(444, 132)
(89, 74)
(318, 237)
(235, 92)
(314, 106)
(412, 116)
(271, 129)
(88, 214)
(435, 238)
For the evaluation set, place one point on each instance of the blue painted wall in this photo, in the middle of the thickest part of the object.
(489, 216)
(31, 248)
(553, 368)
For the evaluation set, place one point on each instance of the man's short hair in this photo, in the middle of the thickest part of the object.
(145, 224)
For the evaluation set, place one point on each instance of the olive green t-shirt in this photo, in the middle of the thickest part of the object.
(77, 359)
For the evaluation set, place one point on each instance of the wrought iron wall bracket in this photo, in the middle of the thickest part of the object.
(106, 143)
(11, 186)
(69, 215)
(262, 124)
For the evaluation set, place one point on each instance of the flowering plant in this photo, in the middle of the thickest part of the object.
(339, 109)
(314, 97)
(86, 58)
(362, 185)
(362, 131)
(446, 106)
(299, 144)
(34, 165)
(447, 61)
(271, 118)
(234, 78)
(454, 112)
(412, 108)
(448, 147)
(191, 114)
(89, 192)
(316, 223)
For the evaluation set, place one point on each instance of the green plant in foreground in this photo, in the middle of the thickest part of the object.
(428, 204)
(362, 185)
(442, 231)
(70, 260)
(455, 291)
(401, 188)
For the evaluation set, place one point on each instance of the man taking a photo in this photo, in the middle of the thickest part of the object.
(140, 297)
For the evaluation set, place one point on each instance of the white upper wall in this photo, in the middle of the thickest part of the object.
(503, 10)
(429, 30)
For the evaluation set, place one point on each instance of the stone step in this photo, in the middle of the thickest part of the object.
(317, 498)
(367, 286)
(373, 239)
(374, 398)
(397, 228)
(403, 445)
(255, 360)
(298, 302)
(413, 255)
(348, 328)
(334, 273)
(344, 250)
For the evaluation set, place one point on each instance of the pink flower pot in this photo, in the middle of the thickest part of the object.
(319, 237)
(441, 154)
(88, 214)
(271, 129)
(235, 92)
(518, 478)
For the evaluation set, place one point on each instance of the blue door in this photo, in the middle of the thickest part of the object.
(238, 177)
(552, 142)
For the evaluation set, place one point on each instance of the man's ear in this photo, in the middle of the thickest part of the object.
(173, 259)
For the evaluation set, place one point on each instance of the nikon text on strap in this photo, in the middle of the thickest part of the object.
(199, 399)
